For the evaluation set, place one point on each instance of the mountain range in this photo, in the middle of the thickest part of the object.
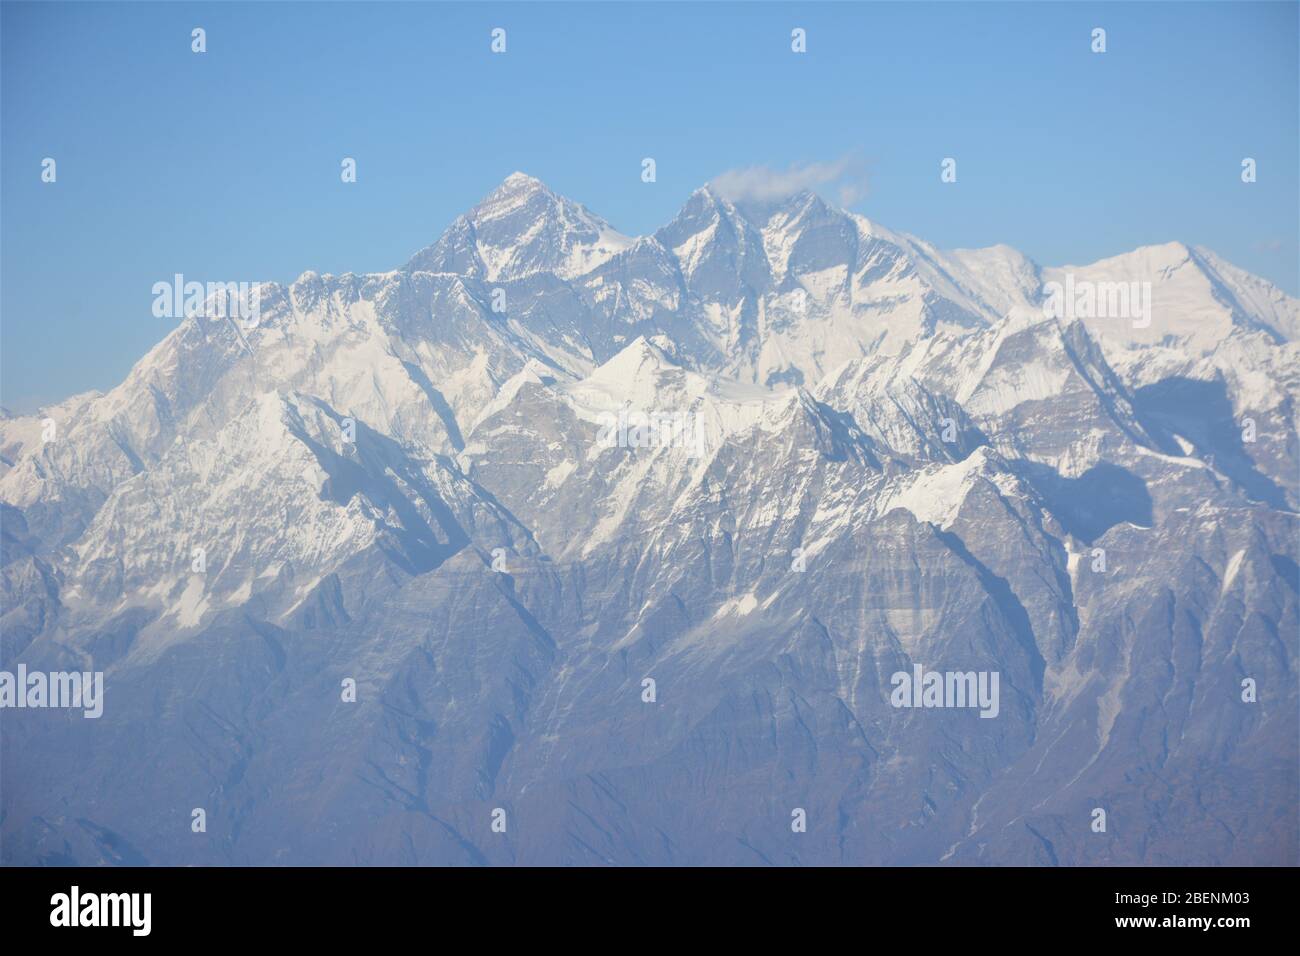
(567, 649)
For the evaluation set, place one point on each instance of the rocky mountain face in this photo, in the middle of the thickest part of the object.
(623, 542)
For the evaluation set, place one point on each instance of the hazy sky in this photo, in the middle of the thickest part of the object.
(224, 166)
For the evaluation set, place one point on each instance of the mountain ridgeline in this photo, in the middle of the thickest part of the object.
(560, 546)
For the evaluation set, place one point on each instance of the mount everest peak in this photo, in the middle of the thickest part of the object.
(519, 229)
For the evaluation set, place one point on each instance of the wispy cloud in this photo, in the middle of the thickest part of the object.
(843, 179)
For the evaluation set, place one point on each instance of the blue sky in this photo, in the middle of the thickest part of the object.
(225, 166)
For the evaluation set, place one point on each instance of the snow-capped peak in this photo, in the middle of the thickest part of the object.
(522, 228)
(515, 191)
(1186, 294)
(645, 378)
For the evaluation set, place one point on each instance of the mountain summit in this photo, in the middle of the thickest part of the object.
(522, 228)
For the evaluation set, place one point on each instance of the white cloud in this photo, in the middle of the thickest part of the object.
(845, 179)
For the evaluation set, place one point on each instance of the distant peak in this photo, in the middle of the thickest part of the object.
(1149, 258)
(641, 347)
(721, 192)
(702, 206)
(707, 193)
(800, 204)
(522, 227)
(519, 182)
(519, 190)
(639, 354)
(1167, 253)
(515, 190)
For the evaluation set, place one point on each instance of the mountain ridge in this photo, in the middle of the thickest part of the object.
(876, 455)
